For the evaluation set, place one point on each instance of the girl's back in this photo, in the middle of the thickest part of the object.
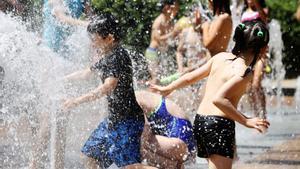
(225, 66)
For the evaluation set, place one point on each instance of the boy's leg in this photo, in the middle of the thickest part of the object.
(97, 147)
(42, 140)
(219, 162)
(58, 141)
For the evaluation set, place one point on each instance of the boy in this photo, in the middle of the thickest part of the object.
(162, 25)
(124, 125)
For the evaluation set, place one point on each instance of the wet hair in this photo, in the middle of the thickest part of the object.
(163, 3)
(251, 35)
(105, 24)
(168, 2)
(222, 5)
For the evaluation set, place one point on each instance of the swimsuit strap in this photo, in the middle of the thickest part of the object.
(248, 70)
(233, 59)
(161, 104)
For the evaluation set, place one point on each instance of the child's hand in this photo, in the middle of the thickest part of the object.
(257, 123)
(164, 91)
(69, 104)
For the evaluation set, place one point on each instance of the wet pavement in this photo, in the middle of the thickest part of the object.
(278, 148)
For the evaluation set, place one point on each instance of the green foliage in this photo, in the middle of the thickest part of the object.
(284, 11)
(136, 17)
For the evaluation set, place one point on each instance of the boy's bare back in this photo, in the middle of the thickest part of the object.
(225, 71)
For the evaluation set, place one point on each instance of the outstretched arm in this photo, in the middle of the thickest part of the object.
(59, 12)
(79, 75)
(185, 80)
(103, 89)
(223, 101)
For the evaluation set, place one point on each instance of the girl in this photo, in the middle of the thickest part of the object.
(255, 10)
(167, 139)
(228, 75)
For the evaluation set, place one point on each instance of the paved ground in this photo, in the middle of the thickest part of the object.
(279, 148)
(282, 156)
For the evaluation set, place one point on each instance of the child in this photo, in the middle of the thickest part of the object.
(117, 138)
(162, 25)
(59, 16)
(217, 33)
(169, 141)
(190, 44)
(228, 75)
(257, 10)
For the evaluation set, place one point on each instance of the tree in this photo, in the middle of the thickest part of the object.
(284, 11)
(136, 17)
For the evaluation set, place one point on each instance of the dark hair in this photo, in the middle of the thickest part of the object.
(168, 2)
(222, 5)
(105, 24)
(250, 35)
(262, 3)
(163, 3)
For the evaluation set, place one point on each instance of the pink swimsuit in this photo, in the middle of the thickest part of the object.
(250, 16)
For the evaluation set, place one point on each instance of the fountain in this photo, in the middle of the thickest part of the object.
(273, 82)
(32, 85)
(297, 96)
(31, 88)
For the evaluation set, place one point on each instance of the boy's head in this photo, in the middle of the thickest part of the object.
(106, 26)
(169, 7)
(251, 36)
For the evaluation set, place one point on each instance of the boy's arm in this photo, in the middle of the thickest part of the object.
(59, 12)
(185, 80)
(223, 101)
(169, 35)
(79, 75)
(103, 89)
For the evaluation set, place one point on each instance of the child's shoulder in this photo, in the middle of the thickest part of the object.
(159, 19)
(223, 56)
(225, 16)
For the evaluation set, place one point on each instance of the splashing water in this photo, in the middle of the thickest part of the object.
(32, 85)
(297, 95)
(273, 82)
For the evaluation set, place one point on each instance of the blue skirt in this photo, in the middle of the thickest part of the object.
(119, 144)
